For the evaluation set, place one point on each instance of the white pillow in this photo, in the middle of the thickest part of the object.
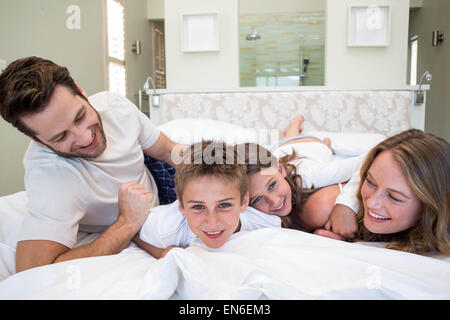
(349, 144)
(188, 131)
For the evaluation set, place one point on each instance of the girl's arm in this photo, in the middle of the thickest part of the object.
(316, 214)
(317, 209)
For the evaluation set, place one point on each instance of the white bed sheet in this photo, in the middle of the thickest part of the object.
(12, 211)
(270, 263)
(265, 264)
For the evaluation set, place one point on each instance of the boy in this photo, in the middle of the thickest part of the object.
(211, 186)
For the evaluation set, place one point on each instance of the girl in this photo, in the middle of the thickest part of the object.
(305, 166)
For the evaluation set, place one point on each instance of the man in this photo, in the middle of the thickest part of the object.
(84, 168)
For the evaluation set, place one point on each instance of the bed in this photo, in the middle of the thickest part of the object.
(271, 263)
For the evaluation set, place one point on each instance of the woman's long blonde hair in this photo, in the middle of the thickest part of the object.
(425, 162)
(256, 159)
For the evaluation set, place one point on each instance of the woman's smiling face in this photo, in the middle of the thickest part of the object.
(270, 192)
(390, 206)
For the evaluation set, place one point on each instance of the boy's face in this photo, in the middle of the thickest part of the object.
(212, 207)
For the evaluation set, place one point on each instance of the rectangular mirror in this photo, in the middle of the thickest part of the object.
(279, 49)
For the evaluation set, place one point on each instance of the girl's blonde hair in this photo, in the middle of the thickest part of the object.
(425, 162)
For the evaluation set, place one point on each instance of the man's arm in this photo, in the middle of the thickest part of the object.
(166, 150)
(35, 253)
(134, 205)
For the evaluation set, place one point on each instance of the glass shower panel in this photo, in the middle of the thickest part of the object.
(282, 49)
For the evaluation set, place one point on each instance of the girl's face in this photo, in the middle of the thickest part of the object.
(270, 192)
(390, 206)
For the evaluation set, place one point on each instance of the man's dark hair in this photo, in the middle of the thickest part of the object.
(26, 86)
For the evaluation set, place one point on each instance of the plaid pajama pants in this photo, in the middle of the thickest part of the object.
(163, 173)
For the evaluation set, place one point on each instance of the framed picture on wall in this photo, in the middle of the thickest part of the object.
(369, 26)
(200, 32)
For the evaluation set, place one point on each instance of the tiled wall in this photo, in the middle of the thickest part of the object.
(286, 38)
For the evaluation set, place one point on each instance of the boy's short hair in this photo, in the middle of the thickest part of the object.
(208, 158)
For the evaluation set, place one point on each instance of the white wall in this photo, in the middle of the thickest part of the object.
(208, 70)
(344, 66)
(370, 66)
(138, 27)
(434, 16)
(155, 9)
(39, 28)
(258, 6)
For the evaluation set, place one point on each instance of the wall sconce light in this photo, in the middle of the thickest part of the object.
(419, 95)
(136, 47)
(438, 37)
(155, 97)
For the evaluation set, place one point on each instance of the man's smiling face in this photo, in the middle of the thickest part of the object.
(69, 126)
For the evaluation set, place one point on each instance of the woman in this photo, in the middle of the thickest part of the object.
(403, 195)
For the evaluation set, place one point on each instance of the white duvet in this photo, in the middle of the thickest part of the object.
(270, 263)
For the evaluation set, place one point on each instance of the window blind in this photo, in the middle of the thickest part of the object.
(115, 12)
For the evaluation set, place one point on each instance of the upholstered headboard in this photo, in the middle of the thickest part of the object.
(386, 112)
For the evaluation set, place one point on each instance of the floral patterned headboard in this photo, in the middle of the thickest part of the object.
(385, 112)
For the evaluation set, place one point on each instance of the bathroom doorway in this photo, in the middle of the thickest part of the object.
(159, 56)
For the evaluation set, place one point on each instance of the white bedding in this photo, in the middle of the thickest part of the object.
(270, 263)
(12, 210)
(263, 264)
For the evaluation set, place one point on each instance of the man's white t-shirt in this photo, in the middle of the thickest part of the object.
(166, 226)
(67, 195)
